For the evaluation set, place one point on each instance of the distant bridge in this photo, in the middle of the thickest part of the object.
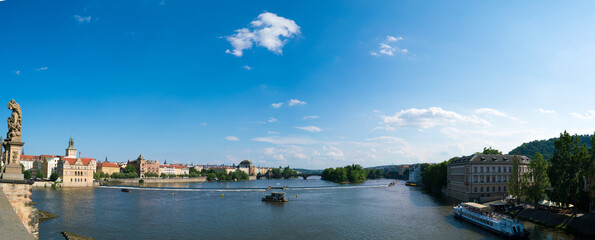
(306, 175)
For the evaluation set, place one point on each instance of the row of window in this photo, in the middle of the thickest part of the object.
(497, 178)
(487, 189)
(78, 180)
(479, 219)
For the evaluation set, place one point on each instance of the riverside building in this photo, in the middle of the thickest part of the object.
(75, 172)
(482, 177)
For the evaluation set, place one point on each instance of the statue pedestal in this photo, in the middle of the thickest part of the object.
(12, 170)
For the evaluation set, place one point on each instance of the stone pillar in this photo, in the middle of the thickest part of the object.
(12, 168)
(19, 194)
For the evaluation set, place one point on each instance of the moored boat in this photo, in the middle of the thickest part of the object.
(125, 190)
(410, 184)
(481, 215)
(275, 197)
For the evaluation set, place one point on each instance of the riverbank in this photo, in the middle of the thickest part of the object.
(136, 181)
(581, 224)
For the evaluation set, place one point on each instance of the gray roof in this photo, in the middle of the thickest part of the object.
(495, 158)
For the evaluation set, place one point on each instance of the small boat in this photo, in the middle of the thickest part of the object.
(481, 215)
(410, 184)
(275, 197)
(125, 190)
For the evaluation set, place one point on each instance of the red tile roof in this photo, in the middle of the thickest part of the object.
(108, 164)
(71, 161)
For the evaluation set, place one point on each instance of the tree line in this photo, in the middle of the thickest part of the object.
(354, 173)
(563, 178)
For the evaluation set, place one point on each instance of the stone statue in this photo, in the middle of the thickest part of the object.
(14, 122)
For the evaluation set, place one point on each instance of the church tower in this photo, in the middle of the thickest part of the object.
(71, 151)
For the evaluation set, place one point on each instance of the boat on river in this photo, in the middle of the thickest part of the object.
(125, 190)
(481, 215)
(412, 184)
(275, 197)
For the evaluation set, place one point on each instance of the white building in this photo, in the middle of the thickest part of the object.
(415, 173)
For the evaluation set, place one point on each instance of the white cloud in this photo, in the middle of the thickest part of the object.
(272, 132)
(82, 19)
(310, 117)
(390, 38)
(294, 102)
(333, 152)
(310, 128)
(428, 118)
(494, 112)
(277, 105)
(546, 111)
(590, 115)
(247, 67)
(268, 30)
(232, 138)
(17, 72)
(41, 69)
(286, 140)
(203, 124)
(272, 120)
(387, 47)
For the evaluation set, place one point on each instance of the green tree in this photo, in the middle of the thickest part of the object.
(40, 174)
(490, 150)
(130, 169)
(27, 175)
(54, 177)
(537, 179)
(567, 171)
(515, 181)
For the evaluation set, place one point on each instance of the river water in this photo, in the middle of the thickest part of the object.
(316, 210)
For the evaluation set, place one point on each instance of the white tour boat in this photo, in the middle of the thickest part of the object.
(481, 215)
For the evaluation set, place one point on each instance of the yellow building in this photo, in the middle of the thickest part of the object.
(108, 167)
(75, 172)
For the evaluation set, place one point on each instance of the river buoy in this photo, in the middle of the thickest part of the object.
(296, 196)
(222, 195)
(172, 194)
(244, 195)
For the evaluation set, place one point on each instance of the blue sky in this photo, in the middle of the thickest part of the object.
(311, 84)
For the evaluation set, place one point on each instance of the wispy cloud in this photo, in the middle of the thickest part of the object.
(310, 117)
(295, 102)
(387, 47)
(310, 128)
(277, 105)
(247, 67)
(428, 118)
(82, 19)
(546, 111)
(590, 115)
(203, 124)
(272, 120)
(17, 72)
(232, 138)
(268, 30)
(272, 132)
(41, 69)
(286, 140)
(494, 112)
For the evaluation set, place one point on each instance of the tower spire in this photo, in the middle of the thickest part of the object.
(71, 142)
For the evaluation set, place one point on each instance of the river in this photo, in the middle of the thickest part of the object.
(316, 210)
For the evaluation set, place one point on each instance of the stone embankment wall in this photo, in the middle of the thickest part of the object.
(19, 196)
(157, 180)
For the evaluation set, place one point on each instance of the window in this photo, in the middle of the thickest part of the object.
(474, 169)
(481, 169)
(493, 189)
(475, 189)
(499, 189)
(505, 188)
(481, 189)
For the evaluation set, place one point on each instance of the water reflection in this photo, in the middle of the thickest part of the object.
(338, 212)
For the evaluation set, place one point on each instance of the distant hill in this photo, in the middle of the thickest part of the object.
(545, 147)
